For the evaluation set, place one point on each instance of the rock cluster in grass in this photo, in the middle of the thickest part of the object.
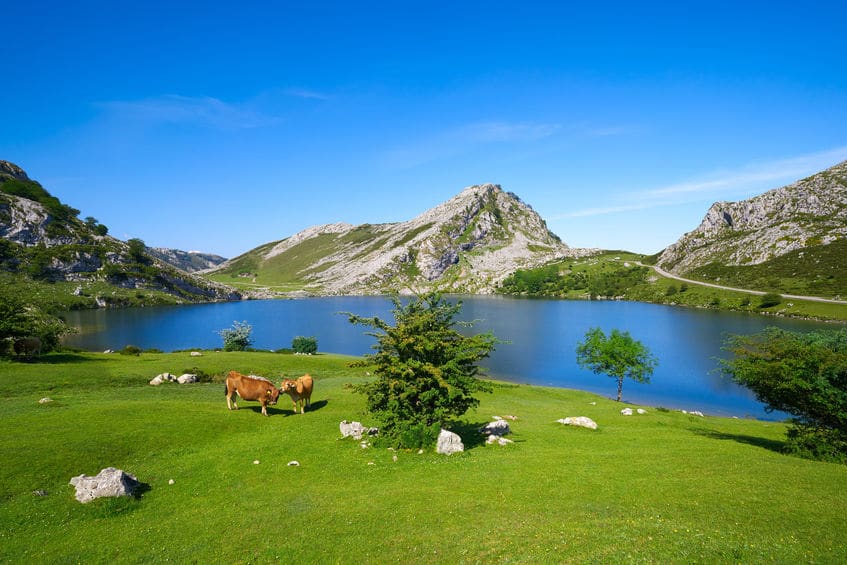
(355, 430)
(108, 482)
(579, 421)
(496, 430)
(629, 412)
(185, 378)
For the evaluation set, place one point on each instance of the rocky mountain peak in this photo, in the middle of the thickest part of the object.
(811, 211)
(11, 171)
(465, 244)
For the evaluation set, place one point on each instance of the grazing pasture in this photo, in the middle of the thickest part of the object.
(662, 486)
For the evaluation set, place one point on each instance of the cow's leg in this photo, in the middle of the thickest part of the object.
(264, 409)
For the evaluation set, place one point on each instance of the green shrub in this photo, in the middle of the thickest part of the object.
(802, 374)
(304, 345)
(416, 436)
(131, 350)
(770, 299)
(426, 371)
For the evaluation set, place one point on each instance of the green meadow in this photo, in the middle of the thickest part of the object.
(660, 487)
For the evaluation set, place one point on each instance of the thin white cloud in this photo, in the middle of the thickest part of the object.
(201, 111)
(783, 170)
(458, 140)
(306, 93)
(494, 132)
(744, 182)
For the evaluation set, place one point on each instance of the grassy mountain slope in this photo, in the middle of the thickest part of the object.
(467, 244)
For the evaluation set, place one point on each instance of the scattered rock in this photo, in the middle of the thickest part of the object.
(355, 430)
(108, 351)
(694, 413)
(626, 412)
(497, 427)
(449, 443)
(293, 463)
(593, 403)
(641, 411)
(580, 421)
(40, 492)
(394, 458)
(163, 378)
(420, 451)
(256, 462)
(45, 400)
(196, 354)
(186, 378)
(497, 439)
(109, 482)
(170, 482)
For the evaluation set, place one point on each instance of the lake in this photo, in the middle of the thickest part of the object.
(541, 337)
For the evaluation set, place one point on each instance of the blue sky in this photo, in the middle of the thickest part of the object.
(222, 126)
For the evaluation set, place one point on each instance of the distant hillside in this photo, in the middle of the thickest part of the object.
(790, 239)
(43, 241)
(467, 244)
(188, 261)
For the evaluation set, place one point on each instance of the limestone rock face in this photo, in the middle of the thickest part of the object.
(108, 482)
(812, 211)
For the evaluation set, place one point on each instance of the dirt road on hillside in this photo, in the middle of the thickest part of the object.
(758, 292)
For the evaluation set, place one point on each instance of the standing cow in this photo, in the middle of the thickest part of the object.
(250, 387)
(299, 391)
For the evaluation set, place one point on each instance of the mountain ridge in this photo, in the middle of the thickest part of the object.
(43, 240)
(465, 244)
(809, 212)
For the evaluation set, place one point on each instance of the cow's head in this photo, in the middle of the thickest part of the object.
(272, 394)
(288, 385)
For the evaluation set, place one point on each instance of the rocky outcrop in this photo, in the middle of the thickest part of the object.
(188, 261)
(812, 211)
(51, 243)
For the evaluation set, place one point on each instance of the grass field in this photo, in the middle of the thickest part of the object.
(660, 487)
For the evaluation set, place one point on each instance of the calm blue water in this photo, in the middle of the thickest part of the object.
(542, 336)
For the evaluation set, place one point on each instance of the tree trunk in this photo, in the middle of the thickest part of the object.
(620, 388)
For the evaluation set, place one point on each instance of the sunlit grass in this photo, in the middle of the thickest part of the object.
(660, 487)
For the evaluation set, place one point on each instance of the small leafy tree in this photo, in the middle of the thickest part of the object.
(305, 345)
(426, 371)
(238, 337)
(804, 375)
(20, 320)
(617, 355)
(770, 299)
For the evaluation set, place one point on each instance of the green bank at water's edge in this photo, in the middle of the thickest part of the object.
(661, 487)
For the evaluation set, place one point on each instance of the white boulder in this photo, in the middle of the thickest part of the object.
(109, 482)
(580, 421)
(186, 378)
(497, 428)
(626, 412)
(449, 443)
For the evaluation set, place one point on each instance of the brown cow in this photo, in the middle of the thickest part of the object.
(250, 387)
(299, 391)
